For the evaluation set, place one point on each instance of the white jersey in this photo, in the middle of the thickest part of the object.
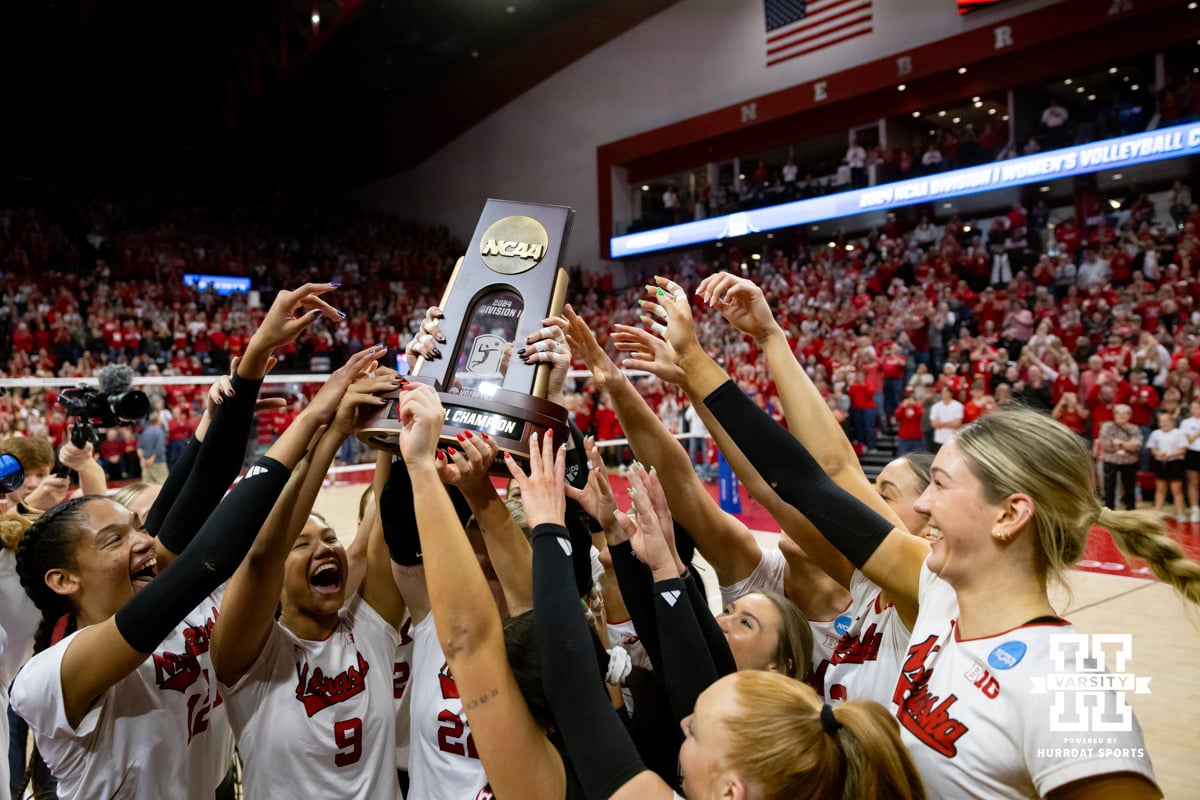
(317, 718)
(624, 635)
(1191, 427)
(766, 577)
(981, 719)
(443, 763)
(159, 732)
(866, 660)
(19, 619)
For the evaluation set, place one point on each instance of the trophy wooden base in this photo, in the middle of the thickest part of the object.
(508, 417)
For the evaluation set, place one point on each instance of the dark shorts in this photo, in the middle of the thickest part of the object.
(1192, 460)
(1169, 470)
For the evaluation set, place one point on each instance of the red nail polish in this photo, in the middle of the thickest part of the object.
(441, 456)
(467, 434)
(451, 450)
(461, 438)
(484, 435)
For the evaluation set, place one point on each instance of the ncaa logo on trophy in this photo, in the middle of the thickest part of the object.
(508, 281)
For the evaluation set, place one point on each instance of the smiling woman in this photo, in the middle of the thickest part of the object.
(310, 695)
(124, 704)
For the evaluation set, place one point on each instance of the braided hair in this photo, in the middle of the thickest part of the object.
(50, 543)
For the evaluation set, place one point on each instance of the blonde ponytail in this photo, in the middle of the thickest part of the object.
(1141, 534)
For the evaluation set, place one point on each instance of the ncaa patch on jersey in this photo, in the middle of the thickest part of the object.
(842, 624)
(1007, 655)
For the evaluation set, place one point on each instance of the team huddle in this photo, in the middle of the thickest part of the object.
(545, 644)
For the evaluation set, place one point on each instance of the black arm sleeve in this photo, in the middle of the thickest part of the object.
(789, 469)
(637, 585)
(600, 749)
(578, 522)
(714, 637)
(688, 667)
(176, 478)
(217, 464)
(398, 515)
(207, 562)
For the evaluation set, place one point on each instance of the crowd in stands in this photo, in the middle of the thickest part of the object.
(1030, 307)
(1122, 108)
(206, 591)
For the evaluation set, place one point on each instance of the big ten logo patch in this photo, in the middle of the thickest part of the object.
(1087, 697)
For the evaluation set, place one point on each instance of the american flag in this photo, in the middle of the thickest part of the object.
(799, 27)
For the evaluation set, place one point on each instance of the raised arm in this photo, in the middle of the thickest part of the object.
(888, 556)
(742, 303)
(518, 759)
(219, 458)
(508, 549)
(601, 751)
(827, 574)
(724, 541)
(248, 607)
(104, 653)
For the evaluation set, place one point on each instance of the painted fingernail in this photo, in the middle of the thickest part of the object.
(441, 456)
(342, 314)
(436, 353)
(381, 346)
(451, 451)
(521, 352)
(229, 392)
(484, 435)
(440, 338)
(508, 456)
(562, 446)
(336, 285)
(462, 438)
(467, 434)
(616, 513)
(318, 312)
(633, 508)
(661, 292)
(641, 302)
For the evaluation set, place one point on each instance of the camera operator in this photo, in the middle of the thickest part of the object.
(41, 490)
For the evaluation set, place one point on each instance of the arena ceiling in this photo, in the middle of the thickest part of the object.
(317, 93)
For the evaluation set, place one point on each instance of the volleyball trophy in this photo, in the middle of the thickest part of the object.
(508, 281)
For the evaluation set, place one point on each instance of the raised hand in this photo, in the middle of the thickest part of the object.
(583, 342)
(645, 351)
(365, 392)
(429, 336)
(467, 465)
(325, 404)
(222, 389)
(49, 493)
(741, 302)
(290, 314)
(645, 529)
(596, 498)
(542, 489)
(422, 415)
(548, 345)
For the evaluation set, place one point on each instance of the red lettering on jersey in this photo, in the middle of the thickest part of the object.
(401, 672)
(925, 715)
(851, 650)
(816, 678)
(983, 680)
(446, 679)
(406, 632)
(485, 793)
(178, 671)
(318, 692)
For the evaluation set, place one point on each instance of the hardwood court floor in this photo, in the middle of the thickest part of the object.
(1165, 637)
